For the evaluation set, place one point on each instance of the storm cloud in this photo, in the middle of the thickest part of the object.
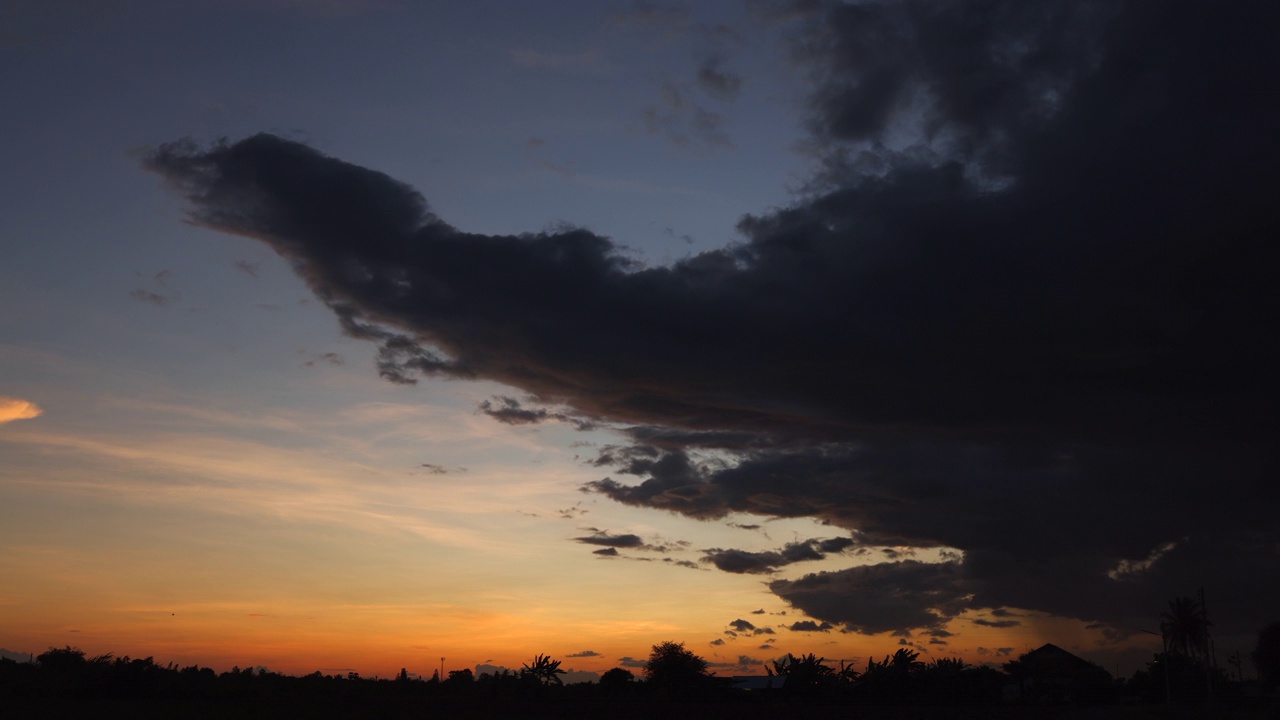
(1023, 313)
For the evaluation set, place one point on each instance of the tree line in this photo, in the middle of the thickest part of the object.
(1185, 671)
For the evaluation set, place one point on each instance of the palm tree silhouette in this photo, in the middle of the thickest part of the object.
(806, 671)
(1185, 628)
(546, 670)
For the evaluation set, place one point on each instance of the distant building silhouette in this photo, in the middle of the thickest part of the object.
(1050, 674)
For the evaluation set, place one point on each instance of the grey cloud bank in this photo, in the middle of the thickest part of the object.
(1038, 331)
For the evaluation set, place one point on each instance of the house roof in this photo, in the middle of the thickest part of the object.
(1052, 660)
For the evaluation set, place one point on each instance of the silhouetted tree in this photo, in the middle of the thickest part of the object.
(848, 674)
(1174, 676)
(63, 661)
(1266, 655)
(893, 678)
(1185, 628)
(671, 666)
(545, 670)
(806, 672)
(463, 675)
(616, 677)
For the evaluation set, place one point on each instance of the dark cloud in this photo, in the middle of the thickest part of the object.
(809, 626)
(1022, 317)
(880, 598)
(758, 612)
(603, 537)
(584, 653)
(746, 627)
(628, 661)
(606, 552)
(717, 81)
(512, 412)
(717, 641)
(996, 623)
(742, 561)
(508, 410)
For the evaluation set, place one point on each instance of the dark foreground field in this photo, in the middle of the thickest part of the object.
(405, 708)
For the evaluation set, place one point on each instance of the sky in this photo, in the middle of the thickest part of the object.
(353, 336)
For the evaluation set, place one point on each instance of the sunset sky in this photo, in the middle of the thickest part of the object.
(350, 336)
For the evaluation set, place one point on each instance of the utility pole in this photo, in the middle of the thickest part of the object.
(1164, 660)
(1209, 661)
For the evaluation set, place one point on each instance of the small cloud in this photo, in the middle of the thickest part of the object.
(331, 358)
(149, 297)
(718, 641)
(996, 623)
(1006, 651)
(718, 82)
(809, 626)
(248, 268)
(12, 408)
(758, 612)
(572, 512)
(584, 653)
(603, 537)
(606, 552)
(508, 410)
(628, 661)
(685, 123)
(742, 625)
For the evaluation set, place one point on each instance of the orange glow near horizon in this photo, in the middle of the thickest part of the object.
(305, 541)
